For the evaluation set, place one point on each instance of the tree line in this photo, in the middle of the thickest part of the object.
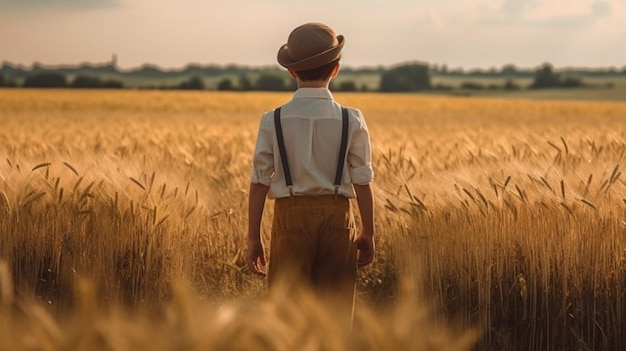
(409, 77)
(58, 80)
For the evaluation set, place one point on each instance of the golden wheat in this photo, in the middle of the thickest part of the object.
(502, 214)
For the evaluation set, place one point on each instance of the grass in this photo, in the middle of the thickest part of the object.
(594, 89)
(498, 214)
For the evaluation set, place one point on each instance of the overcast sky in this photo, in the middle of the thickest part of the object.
(174, 33)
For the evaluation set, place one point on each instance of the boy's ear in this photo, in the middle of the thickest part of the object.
(335, 71)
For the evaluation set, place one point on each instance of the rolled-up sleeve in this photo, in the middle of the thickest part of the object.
(263, 157)
(360, 155)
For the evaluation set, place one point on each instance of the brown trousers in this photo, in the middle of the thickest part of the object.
(313, 243)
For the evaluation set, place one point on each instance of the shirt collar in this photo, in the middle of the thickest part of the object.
(313, 93)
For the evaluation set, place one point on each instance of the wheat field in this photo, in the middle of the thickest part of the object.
(501, 224)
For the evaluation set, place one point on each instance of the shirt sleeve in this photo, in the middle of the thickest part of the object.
(263, 157)
(360, 154)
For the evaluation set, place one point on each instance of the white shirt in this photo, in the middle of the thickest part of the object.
(311, 124)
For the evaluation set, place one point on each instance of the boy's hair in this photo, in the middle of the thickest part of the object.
(318, 73)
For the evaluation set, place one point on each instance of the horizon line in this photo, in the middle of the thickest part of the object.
(114, 64)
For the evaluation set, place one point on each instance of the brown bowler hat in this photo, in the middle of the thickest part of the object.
(309, 46)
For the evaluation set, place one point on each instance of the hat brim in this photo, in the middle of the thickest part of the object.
(312, 62)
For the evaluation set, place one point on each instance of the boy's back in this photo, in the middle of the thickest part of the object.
(314, 240)
(312, 128)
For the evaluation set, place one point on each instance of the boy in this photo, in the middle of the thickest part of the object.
(299, 161)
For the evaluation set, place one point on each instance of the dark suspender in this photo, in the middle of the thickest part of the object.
(342, 150)
(283, 151)
(281, 148)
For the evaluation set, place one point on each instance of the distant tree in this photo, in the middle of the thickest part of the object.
(443, 87)
(271, 82)
(511, 85)
(112, 84)
(477, 72)
(86, 82)
(1, 80)
(571, 82)
(193, 83)
(92, 82)
(225, 84)
(492, 86)
(472, 86)
(457, 71)
(545, 77)
(347, 85)
(509, 70)
(46, 80)
(244, 83)
(9, 83)
(405, 78)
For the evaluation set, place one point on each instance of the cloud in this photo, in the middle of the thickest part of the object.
(550, 13)
(56, 4)
(515, 8)
(601, 9)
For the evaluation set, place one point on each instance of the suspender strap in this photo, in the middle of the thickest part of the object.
(283, 151)
(344, 147)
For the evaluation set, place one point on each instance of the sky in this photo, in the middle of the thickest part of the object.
(174, 33)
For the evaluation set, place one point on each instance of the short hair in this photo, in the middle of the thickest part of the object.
(318, 73)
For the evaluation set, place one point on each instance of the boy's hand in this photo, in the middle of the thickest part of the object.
(365, 240)
(365, 249)
(256, 257)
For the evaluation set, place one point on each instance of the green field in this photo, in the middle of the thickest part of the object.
(595, 89)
